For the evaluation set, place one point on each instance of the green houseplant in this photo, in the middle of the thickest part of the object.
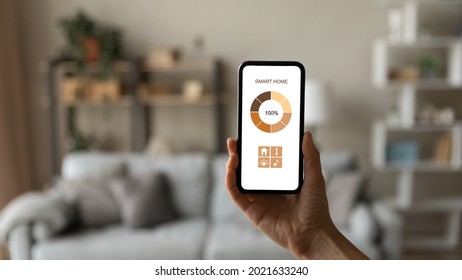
(430, 67)
(79, 32)
(87, 41)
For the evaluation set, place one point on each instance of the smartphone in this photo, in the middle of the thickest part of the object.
(271, 105)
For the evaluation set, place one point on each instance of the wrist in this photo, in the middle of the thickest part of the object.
(328, 243)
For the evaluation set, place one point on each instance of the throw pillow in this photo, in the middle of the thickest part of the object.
(343, 191)
(144, 201)
(95, 204)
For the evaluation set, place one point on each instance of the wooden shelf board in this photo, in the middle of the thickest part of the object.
(178, 100)
(126, 101)
(121, 66)
(181, 66)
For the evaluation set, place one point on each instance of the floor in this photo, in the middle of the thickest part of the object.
(421, 255)
(452, 255)
(3, 252)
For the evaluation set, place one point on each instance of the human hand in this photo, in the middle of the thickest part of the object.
(299, 222)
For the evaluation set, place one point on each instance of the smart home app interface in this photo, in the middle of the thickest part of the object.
(270, 137)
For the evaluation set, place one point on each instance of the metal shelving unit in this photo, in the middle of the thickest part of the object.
(140, 109)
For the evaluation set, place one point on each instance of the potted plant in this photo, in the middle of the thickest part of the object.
(82, 43)
(429, 67)
(89, 41)
(105, 86)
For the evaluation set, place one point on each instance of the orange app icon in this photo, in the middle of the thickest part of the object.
(263, 162)
(276, 162)
(276, 151)
(264, 151)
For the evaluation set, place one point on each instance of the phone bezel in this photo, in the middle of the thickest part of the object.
(301, 130)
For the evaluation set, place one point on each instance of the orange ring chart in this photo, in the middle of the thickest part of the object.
(255, 111)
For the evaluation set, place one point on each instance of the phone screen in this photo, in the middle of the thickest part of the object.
(271, 109)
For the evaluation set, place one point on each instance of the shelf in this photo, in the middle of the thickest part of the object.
(380, 142)
(121, 66)
(387, 54)
(386, 3)
(178, 100)
(430, 243)
(126, 101)
(439, 204)
(450, 238)
(430, 84)
(430, 42)
(381, 67)
(421, 127)
(181, 66)
(449, 204)
(136, 113)
(423, 166)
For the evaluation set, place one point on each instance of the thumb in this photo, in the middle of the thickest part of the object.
(313, 170)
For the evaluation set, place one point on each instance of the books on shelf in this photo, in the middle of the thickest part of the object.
(443, 150)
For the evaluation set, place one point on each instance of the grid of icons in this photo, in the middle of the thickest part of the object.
(269, 156)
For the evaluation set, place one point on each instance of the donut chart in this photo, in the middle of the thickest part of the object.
(282, 117)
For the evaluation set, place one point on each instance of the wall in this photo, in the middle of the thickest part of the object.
(332, 38)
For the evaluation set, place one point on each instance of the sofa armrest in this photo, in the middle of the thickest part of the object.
(362, 223)
(41, 231)
(391, 225)
(35, 209)
(20, 242)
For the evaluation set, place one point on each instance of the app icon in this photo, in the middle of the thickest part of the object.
(276, 163)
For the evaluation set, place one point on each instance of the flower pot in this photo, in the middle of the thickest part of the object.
(92, 49)
(429, 74)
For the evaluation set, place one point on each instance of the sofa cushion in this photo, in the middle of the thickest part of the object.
(241, 241)
(180, 239)
(187, 173)
(77, 166)
(361, 222)
(93, 200)
(90, 192)
(343, 191)
(144, 201)
(338, 161)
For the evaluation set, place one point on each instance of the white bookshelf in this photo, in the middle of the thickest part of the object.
(381, 131)
(453, 46)
(407, 94)
(387, 3)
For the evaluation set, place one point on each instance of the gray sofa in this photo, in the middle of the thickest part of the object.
(210, 225)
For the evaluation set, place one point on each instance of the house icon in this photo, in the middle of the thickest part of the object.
(263, 151)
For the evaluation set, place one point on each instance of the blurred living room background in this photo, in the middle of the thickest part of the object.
(91, 87)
